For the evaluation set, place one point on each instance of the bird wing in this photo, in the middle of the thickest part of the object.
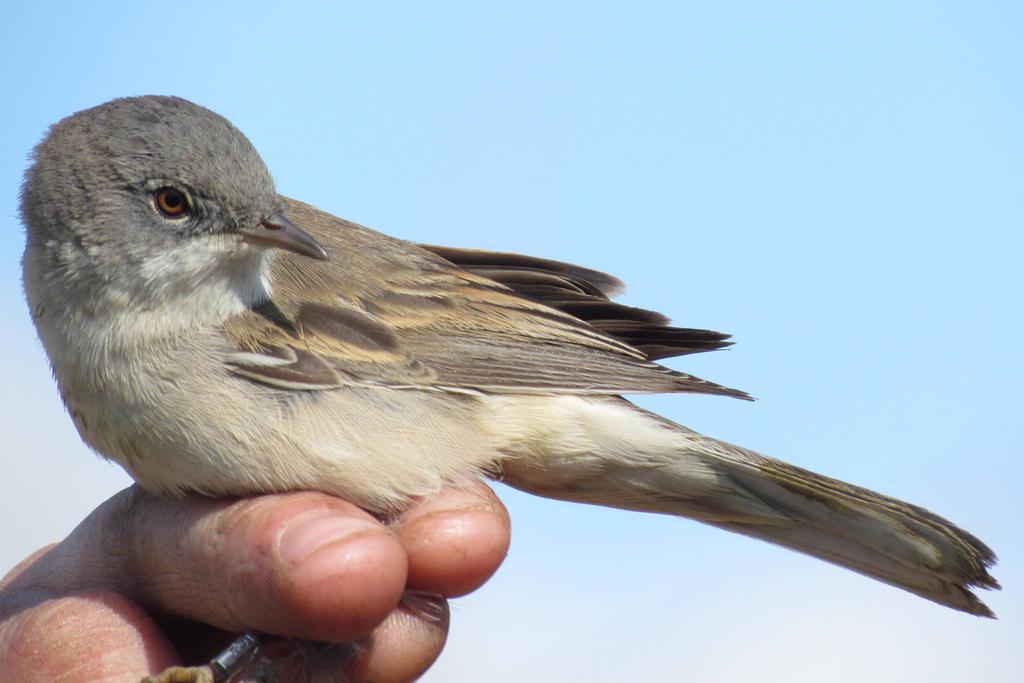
(585, 294)
(384, 311)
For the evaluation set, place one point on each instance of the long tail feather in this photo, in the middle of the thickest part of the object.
(624, 457)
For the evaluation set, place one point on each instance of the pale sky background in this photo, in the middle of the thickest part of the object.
(839, 185)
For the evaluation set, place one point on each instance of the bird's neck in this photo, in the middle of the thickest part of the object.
(168, 297)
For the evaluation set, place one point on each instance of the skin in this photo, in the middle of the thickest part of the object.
(99, 604)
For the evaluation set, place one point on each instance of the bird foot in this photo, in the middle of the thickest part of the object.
(183, 674)
(223, 668)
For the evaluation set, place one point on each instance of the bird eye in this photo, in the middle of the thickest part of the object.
(171, 202)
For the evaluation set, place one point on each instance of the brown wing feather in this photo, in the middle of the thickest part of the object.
(386, 311)
(585, 293)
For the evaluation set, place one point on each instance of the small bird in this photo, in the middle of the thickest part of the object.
(214, 337)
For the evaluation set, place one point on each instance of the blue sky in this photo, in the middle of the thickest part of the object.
(838, 185)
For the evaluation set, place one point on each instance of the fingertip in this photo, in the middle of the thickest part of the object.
(402, 648)
(320, 567)
(348, 585)
(303, 564)
(456, 541)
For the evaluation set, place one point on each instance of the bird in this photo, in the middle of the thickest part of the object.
(214, 337)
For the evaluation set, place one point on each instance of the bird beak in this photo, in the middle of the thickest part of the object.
(277, 232)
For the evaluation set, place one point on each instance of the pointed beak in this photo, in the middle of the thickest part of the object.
(277, 232)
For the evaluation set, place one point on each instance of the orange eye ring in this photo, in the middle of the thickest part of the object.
(171, 202)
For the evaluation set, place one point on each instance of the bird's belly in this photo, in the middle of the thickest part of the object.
(374, 446)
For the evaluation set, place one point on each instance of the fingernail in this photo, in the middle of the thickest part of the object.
(450, 518)
(454, 501)
(305, 537)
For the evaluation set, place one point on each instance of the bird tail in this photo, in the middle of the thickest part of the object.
(676, 471)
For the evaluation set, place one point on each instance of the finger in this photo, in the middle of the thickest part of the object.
(88, 636)
(404, 646)
(305, 564)
(19, 568)
(400, 649)
(456, 540)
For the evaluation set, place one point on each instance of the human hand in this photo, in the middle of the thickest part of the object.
(145, 583)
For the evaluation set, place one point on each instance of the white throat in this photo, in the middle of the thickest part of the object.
(198, 283)
(195, 286)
